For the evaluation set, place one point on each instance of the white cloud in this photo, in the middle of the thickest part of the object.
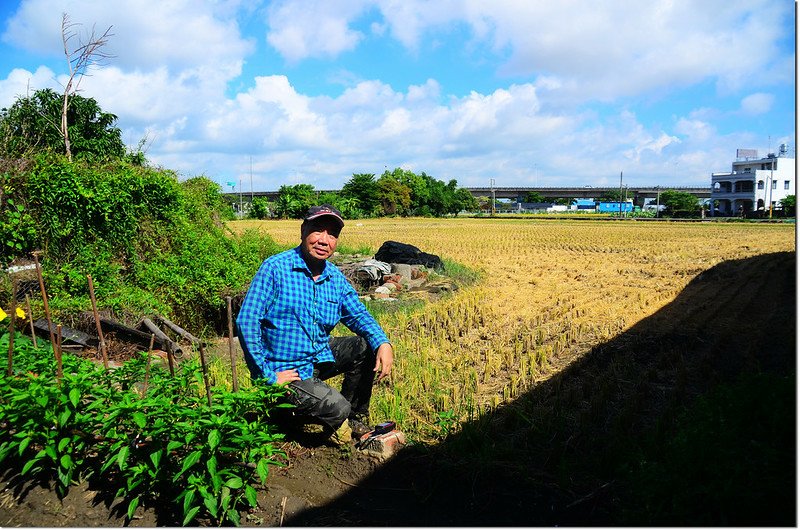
(317, 28)
(759, 103)
(697, 130)
(176, 34)
(20, 83)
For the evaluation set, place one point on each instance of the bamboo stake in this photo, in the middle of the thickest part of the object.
(231, 347)
(179, 330)
(13, 318)
(147, 366)
(169, 344)
(57, 349)
(44, 299)
(30, 321)
(103, 351)
(205, 373)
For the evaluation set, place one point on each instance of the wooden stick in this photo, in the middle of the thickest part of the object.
(169, 344)
(44, 299)
(13, 318)
(179, 330)
(57, 350)
(97, 322)
(205, 373)
(30, 320)
(231, 347)
(147, 366)
(283, 510)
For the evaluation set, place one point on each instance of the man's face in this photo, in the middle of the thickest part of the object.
(319, 237)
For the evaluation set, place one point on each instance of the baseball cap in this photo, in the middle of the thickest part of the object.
(324, 209)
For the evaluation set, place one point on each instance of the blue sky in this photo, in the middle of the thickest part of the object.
(529, 93)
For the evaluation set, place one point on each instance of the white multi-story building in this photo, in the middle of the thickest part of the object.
(754, 183)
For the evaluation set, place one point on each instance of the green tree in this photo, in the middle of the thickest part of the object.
(395, 197)
(259, 209)
(464, 200)
(30, 126)
(679, 203)
(348, 206)
(294, 201)
(789, 204)
(364, 189)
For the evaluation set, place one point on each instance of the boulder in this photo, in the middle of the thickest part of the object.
(394, 252)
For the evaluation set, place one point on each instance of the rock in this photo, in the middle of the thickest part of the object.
(403, 271)
(383, 296)
(417, 273)
(383, 290)
(391, 286)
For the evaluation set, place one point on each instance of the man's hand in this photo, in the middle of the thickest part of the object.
(383, 360)
(287, 376)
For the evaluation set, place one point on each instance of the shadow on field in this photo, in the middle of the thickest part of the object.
(688, 418)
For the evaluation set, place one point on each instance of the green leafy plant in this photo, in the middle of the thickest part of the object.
(161, 441)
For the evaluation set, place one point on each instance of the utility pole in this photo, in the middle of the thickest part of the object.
(251, 181)
(491, 185)
(771, 184)
(241, 202)
(620, 195)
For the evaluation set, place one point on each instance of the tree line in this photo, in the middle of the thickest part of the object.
(399, 192)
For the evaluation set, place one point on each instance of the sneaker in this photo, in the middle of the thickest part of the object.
(359, 428)
(343, 434)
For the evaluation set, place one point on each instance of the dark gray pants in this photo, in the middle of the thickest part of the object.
(317, 402)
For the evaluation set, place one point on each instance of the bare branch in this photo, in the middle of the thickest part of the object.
(86, 54)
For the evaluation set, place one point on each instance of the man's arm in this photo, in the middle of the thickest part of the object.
(254, 307)
(358, 320)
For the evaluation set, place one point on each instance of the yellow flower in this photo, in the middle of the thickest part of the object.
(4, 315)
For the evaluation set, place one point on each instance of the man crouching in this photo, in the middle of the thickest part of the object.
(294, 301)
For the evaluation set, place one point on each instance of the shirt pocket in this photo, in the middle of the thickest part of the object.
(328, 313)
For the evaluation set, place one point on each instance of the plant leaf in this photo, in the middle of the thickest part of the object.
(234, 483)
(251, 495)
(139, 419)
(132, 507)
(214, 438)
(122, 457)
(190, 515)
(190, 460)
(74, 396)
(211, 504)
(263, 470)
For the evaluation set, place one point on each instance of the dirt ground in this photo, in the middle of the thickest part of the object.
(314, 476)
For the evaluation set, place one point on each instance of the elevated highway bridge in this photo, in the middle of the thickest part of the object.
(518, 193)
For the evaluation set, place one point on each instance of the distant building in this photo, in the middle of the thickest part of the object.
(615, 207)
(753, 183)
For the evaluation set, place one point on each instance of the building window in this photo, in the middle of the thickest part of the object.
(774, 184)
(786, 184)
(761, 184)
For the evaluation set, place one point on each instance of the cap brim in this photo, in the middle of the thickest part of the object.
(333, 215)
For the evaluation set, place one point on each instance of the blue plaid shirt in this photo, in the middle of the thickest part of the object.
(287, 316)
